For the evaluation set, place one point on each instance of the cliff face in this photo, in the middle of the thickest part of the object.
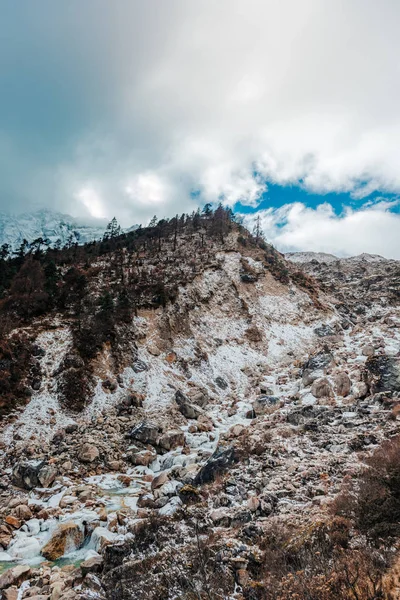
(188, 390)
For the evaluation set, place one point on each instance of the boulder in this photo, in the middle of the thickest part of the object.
(189, 410)
(321, 388)
(218, 463)
(66, 538)
(171, 439)
(47, 475)
(94, 564)
(383, 374)
(23, 512)
(342, 384)
(26, 474)
(14, 576)
(159, 480)
(145, 432)
(13, 521)
(142, 457)
(199, 397)
(88, 453)
(318, 363)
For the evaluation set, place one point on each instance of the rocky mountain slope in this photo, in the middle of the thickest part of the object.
(186, 414)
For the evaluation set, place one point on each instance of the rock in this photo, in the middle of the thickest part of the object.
(159, 480)
(143, 457)
(139, 366)
(66, 538)
(11, 593)
(88, 453)
(219, 517)
(145, 432)
(324, 331)
(92, 565)
(23, 512)
(5, 539)
(316, 366)
(384, 374)
(14, 576)
(253, 503)
(219, 462)
(67, 500)
(172, 439)
(145, 501)
(26, 474)
(71, 428)
(47, 475)
(342, 384)
(189, 410)
(262, 404)
(321, 388)
(221, 383)
(13, 521)
(200, 398)
(57, 590)
(368, 350)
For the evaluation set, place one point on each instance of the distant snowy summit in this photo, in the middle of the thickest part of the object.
(53, 226)
(323, 257)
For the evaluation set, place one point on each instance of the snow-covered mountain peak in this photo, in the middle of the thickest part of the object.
(49, 225)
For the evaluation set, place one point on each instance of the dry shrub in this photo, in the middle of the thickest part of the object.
(75, 388)
(318, 564)
(253, 334)
(16, 364)
(373, 501)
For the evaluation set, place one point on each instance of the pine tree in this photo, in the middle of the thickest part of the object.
(207, 210)
(113, 230)
(257, 230)
(106, 303)
(153, 222)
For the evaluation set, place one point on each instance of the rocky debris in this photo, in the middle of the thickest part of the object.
(88, 453)
(66, 537)
(189, 410)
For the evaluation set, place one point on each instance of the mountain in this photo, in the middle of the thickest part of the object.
(187, 414)
(49, 225)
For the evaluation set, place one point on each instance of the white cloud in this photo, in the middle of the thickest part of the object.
(218, 97)
(92, 202)
(296, 227)
(298, 90)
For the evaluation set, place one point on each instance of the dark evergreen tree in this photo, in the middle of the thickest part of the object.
(113, 230)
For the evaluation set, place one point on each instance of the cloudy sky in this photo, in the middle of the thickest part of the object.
(134, 108)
